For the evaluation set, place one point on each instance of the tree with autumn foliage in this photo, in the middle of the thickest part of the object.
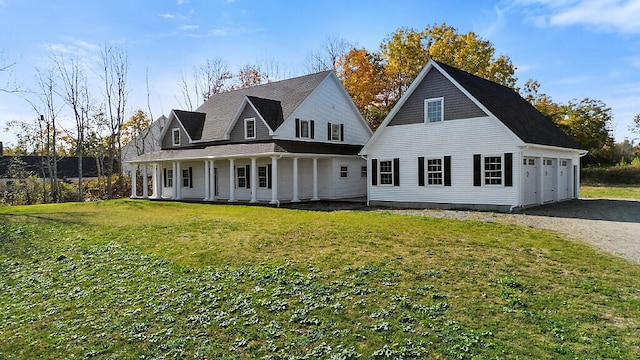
(362, 75)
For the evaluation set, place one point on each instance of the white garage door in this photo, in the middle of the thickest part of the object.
(530, 176)
(563, 179)
(548, 179)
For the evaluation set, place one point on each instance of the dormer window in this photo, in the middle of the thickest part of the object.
(250, 128)
(433, 110)
(176, 136)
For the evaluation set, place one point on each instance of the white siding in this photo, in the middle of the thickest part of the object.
(327, 104)
(459, 139)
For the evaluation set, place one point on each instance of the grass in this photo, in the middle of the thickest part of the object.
(135, 279)
(610, 192)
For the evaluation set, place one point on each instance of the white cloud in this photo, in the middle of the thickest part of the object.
(601, 15)
(167, 16)
(188, 27)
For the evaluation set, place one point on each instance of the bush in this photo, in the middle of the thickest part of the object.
(613, 175)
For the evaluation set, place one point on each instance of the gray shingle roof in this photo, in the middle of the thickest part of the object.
(221, 108)
(270, 110)
(524, 120)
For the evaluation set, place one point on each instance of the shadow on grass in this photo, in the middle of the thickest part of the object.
(590, 209)
(77, 218)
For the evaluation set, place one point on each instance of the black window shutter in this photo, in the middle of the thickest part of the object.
(396, 172)
(341, 132)
(421, 171)
(374, 172)
(447, 171)
(508, 169)
(247, 173)
(477, 170)
(190, 177)
(269, 179)
(165, 177)
(329, 131)
(312, 125)
(297, 127)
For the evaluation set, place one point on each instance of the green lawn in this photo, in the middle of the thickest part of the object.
(136, 279)
(610, 192)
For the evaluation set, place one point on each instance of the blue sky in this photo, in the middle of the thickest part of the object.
(574, 48)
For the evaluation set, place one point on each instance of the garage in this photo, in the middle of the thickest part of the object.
(530, 181)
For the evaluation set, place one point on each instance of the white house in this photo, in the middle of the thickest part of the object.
(286, 141)
(457, 141)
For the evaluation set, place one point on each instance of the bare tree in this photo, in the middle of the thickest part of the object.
(115, 66)
(332, 49)
(5, 67)
(76, 94)
(208, 79)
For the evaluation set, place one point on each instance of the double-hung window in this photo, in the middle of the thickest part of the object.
(386, 172)
(344, 172)
(250, 128)
(175, 137)
(169, 178)
(434, 172)
(363, 171)
(433, 110)
(186, 177)
(492, 170)
(304, 128)
(335, 132)
(241, 177)
(262, 177)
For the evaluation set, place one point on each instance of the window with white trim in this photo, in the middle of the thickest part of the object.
(335, 132)
(363, 171)
(186, 177)
(262, 177)
(250, 128)
(304, 129)
(492, 170)
(433, 110)
(344, 171)
(241, 177)
(435, 173)
(175, 137)
(386, 172)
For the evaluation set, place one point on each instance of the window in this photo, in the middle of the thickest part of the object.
(563, 163)
(250, 128)
(363, 171)
(262, 177)
(434, 172)
(241, 177)
(532, 161)
(386, 172)
(304, 128)
(176, 137)
(433, 111)
(186, 177)
(548, 162)
(336, 132)
(169, 178)
(493, 170)
(344, 172)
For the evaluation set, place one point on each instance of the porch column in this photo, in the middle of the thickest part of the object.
(254, 181)
(178, 183)
(206, 180)
(145, 182)
(295, 181)
(274, 180)
(134, 170)
(315, 180)
(158, 181)
(556, 194)
(154, 174)
(232, 185)
(212, 180)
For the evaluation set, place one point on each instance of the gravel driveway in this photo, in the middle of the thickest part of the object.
(611, 225)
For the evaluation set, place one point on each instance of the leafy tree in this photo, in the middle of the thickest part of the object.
(362, 75)
(250, 75)
(588, 122)
(406, 52)
(131, 129)
(543, 102)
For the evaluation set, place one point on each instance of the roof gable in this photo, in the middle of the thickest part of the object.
(517, 114)
(192, 122)
(221, 108)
